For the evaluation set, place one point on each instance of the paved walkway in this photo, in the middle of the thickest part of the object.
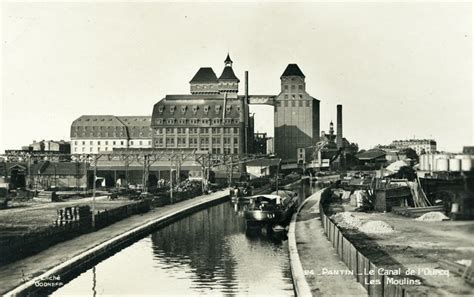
(16, 273)
(319, 259)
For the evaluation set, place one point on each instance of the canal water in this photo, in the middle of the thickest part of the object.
(207, 253)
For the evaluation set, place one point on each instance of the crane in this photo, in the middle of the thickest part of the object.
(317, 150)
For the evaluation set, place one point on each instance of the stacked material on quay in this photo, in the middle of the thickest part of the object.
(376, 227)
(346, 220)
(349, 221)
(433, 216)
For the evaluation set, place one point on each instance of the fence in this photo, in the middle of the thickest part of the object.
(368, 274)
(18, 244)
(107, 217)
(70, 222)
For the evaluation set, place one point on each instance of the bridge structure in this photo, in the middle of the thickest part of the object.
(145, 158)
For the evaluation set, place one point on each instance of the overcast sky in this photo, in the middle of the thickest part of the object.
(401, 70)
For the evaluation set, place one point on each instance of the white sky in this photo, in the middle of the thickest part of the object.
(400, 69)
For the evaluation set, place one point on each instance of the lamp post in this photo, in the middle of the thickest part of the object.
(278, 175)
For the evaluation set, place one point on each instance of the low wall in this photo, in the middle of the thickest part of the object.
(107, 217)
(20, 244)
(300, 285)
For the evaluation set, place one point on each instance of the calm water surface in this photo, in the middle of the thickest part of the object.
(208, 253)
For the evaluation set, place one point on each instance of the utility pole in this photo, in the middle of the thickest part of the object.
(171, 179)
(93, 191)
(231, 169)
(278, 177)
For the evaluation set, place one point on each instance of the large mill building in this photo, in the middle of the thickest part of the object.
(212, 118)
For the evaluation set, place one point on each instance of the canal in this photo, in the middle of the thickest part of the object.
(207, 253)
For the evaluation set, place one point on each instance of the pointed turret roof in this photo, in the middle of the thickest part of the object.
(228, 59)
(292, 70)
(228, 74)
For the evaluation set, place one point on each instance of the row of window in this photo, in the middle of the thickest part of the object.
(293, 96)
(195, 108)
(113, 142)
(293, 103)
(83, 149)
(293, 87)
(226, 130)
(96, 128)
(100, 134)
(194, 140)
(215, 150)
(205, 121)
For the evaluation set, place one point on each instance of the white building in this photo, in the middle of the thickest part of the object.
(91, 134)
(427, 146)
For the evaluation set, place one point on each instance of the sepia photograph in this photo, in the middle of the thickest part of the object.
(236, 148)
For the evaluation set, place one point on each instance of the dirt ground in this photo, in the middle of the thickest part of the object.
(29, 216)
(416, 245)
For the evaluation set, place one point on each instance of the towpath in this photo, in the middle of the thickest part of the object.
(325, 274)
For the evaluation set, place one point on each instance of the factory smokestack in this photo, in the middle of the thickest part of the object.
(339, 126)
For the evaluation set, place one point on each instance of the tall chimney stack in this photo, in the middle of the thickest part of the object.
(339, 126)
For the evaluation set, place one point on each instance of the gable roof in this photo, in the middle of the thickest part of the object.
(204, 75)
(292, 70)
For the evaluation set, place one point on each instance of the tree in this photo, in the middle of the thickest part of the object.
(406, 172)
(410, 153)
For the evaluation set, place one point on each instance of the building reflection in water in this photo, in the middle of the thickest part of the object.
(201, 241)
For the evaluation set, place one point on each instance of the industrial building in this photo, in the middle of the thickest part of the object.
(297, 117)
(91, 134)
(446, 162)
(213, 118)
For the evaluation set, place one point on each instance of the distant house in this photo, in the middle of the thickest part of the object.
(262, 167)
(44, 174)
(468, 150)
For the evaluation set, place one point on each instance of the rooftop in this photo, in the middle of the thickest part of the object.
(204, 75)
(228, 74)
(371, 154)
(292, 70)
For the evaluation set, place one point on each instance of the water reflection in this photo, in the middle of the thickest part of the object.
(206, 253)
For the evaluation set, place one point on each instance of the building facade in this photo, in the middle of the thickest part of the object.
(213, 118)
(297, 116)
(92, 134)
(420, 146)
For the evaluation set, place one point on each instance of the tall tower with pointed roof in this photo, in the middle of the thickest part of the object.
(228, 82)
(296, 117)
